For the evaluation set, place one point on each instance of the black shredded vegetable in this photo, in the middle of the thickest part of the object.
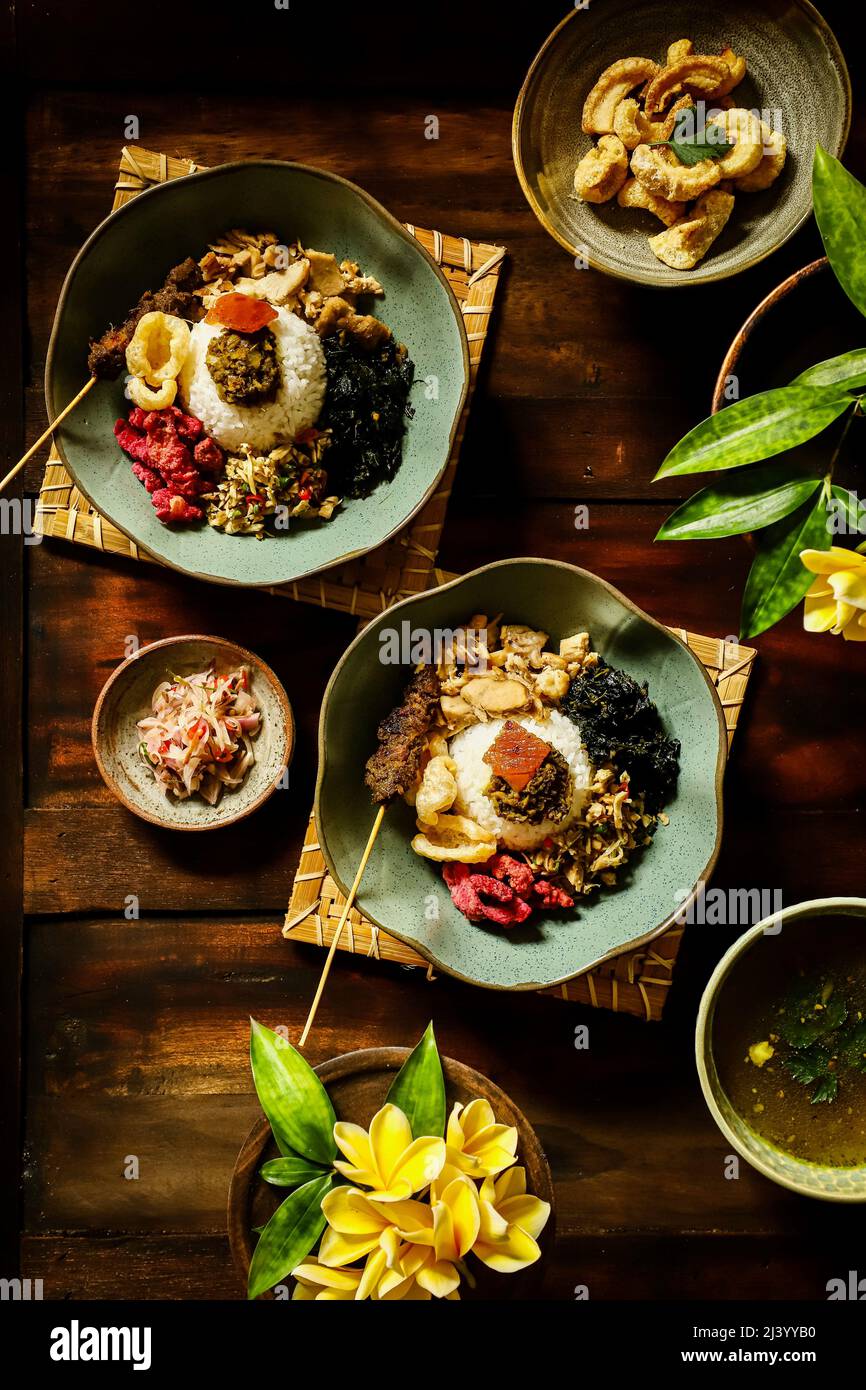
(366, 408)
(620, 724)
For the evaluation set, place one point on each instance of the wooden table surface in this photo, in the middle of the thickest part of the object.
(134, 1032)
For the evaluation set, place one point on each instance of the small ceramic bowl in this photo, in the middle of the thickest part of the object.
(126, 698)
(358, 1084)
(406, 895)
(809, 1179)
(796, 73)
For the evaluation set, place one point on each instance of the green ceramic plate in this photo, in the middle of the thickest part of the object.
(405, 895)
(795, 68)
(132, 251)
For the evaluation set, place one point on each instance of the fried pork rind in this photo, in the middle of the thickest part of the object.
(602, 171)
(688, 241)
(737, 68)
(744, 129)
(634, 195)
(611, 88)
(438, 790)
(700, 72)
(678, 50)
(454, 838)
(661, 173)
(634, 128)
(158, 348)
(151, 397)
(771, 165)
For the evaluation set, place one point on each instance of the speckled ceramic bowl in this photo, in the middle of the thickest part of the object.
(132, 251)
(405, 894)
(810, 1179)
(795, 67)
(126, 698)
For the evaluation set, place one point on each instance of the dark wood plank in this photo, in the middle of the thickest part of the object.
(11, 647)
(620, 1265)
(132, 1267)
(137, 1030)
(142, 1050)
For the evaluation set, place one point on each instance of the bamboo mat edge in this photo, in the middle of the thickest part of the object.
(636, 982)
(403, 566)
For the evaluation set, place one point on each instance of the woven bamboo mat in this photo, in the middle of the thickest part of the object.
(407, 563)
(634, 983)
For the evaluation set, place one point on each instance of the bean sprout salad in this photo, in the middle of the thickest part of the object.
(199, 737)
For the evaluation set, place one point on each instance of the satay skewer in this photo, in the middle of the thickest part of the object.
(46, 434)
(402, 737)
(339, 932)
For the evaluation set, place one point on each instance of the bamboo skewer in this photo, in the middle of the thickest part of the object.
(339, 932)
(47, 433)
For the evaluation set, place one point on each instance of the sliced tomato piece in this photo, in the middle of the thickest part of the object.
(516, 755)
(241, 312)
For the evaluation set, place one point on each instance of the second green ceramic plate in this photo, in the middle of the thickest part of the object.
(405, 895)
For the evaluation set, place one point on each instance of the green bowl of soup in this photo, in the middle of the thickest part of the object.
(781, 1048)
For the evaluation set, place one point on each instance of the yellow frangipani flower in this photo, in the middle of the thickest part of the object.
(387, 1159)
(357, 1226)
(477, 1145)
(404, 1240)
(836, 601)
(511, 1221)
(315, 1281)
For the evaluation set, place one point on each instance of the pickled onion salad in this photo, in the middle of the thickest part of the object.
(200, 735)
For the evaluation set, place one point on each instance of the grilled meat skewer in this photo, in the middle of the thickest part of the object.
(394, 765)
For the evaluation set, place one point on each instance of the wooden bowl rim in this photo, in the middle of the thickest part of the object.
(361, 1061)
(246, 657)
(758, 314)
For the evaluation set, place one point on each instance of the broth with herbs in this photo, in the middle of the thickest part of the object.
(789, 1039)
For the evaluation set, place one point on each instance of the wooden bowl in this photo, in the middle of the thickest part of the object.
(126, 697)
(358, 1083)
(770, 348)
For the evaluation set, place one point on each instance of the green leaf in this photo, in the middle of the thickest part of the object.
(811, 1011)
(289, 1172)
(756, 428)
(853, 1047)
(840, 211)
(694, 151)
(292, 1096)
(289, 1236)
(808, 1065)
(778, 580)
(848, 371)
(743, 502)
(827, 1089)
(419, 1089)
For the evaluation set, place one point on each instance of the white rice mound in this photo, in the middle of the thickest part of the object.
(297, 404)
(473, 775)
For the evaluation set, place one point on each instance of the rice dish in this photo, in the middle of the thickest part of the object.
(535, 772)
(299, 397)
(473, 778)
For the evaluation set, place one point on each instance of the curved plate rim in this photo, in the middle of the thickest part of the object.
(638, 276)
(391, 222)
(721, 760)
